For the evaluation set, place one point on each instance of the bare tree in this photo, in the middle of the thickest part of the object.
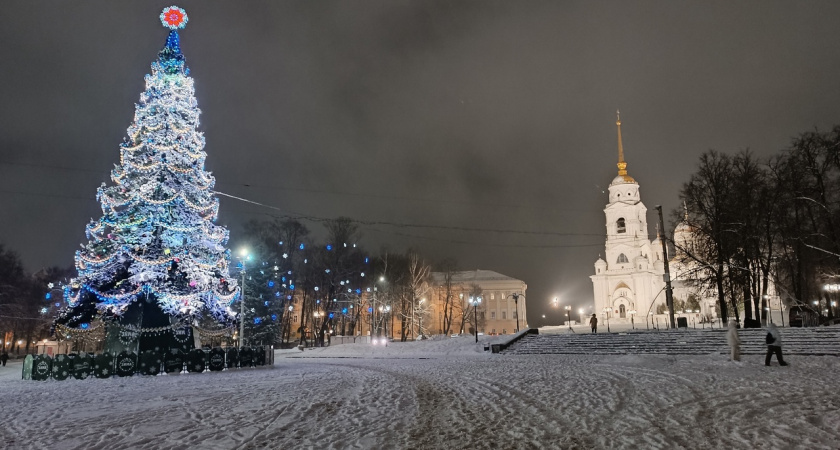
(469, 313)
(448, 268)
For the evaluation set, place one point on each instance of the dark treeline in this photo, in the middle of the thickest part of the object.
(762, 223)
(27, 303)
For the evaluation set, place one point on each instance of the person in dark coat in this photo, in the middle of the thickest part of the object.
(3, 358)
(593, 322)
(774, 345)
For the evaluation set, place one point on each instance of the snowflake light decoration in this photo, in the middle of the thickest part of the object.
(174, 17)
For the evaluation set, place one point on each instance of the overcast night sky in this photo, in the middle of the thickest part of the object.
(471, 114)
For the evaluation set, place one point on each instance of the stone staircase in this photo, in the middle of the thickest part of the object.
(795, 341)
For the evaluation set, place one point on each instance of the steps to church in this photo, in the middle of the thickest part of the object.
(795, 341)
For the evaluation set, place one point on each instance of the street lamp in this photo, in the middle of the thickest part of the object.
(607, 312)
(632, 323)
(650, 314)
(580, 314)
(475, 302)
(243, 256)
(383, 311)
(569, 316)
(516, 296)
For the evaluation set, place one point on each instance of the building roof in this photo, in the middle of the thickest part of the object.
(474, 276)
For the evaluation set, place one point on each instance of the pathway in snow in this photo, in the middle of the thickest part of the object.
(446, 394)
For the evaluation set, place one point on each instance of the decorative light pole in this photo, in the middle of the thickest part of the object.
(569, 316)
(475, 302)
(632, 322)
(580, 315)
(243, 256)
(516, 296)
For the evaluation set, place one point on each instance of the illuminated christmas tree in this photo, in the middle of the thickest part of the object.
(155, 261)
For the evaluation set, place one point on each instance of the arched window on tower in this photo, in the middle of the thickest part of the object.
(620, 225)
(622, 259)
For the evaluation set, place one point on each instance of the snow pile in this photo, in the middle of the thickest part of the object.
(437, 394)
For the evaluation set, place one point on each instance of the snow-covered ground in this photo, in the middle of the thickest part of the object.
(437, 394)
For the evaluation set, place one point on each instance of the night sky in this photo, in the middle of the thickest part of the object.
(458, 114)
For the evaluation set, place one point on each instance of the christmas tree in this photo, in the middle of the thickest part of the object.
(155, 261)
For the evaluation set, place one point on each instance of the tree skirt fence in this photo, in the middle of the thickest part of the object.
(125, 364)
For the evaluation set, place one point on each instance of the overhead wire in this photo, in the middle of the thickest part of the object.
(370, 224)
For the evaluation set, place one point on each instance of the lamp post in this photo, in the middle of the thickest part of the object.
(475, 302)
(607, 312)
(289, 321)
(516, 296)
(632, 323)
(569, 316)
(649, 315)
(384, 310)
(243, 256)
(580, 315)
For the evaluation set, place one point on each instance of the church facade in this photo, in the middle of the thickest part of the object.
(628, 283)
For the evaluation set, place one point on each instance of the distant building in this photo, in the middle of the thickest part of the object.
(497, 313)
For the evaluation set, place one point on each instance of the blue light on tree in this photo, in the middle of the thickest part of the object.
(257, 320)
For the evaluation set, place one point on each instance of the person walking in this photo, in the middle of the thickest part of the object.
(3, 358)
(774, 345)
(593, 322)
(734, 342)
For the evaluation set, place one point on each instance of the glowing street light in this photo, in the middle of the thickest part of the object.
(569, 316)
(475, 301)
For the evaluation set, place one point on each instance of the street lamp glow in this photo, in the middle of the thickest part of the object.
(475, 301)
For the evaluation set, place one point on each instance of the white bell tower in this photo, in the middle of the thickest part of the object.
(628, 280)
